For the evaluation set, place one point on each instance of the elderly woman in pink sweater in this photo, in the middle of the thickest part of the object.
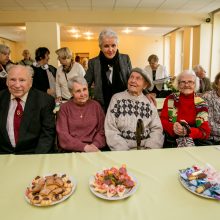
(80, 122)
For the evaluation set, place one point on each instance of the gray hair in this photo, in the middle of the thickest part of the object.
(64, 52)
(4, 48)
(76, 79)
(189, 73)
(197, 68)
(107, 33)
(29, 69)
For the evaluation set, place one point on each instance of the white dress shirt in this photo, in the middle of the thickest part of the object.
(10, 118)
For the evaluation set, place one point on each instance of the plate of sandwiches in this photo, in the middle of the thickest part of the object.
(113, 183)
(50, 189)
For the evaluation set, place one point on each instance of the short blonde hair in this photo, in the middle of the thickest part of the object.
(64, 52)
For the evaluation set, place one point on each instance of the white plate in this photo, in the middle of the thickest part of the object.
(186, 185)
(127, 193)
(73, 180)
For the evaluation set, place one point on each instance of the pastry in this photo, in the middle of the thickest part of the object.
(50, 180)
(64, 177)
(58, 181)
(46, 201)
(57, 197)
(36, 188)
(68, 183)
(45, 192)
(36, 199)
(202, 188)
(52, 187)
(66, 191)
(195, 177)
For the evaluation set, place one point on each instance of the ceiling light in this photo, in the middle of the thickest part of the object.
(88, 33)
(143, 28)
(76, 36)
(127, 31)
(74, 31)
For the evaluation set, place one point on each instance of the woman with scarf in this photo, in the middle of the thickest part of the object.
(109, 71)
(65, 72)
(185, 114)
(44, 74)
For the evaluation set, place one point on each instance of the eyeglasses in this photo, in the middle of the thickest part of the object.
(183, 83)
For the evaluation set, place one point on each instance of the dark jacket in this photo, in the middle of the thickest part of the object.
(93, 75)
(37, 129)
(40, 79)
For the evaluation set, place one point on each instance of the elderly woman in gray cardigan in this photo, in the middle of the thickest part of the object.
(132, 121)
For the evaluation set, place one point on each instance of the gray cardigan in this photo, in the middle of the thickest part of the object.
(93, 74)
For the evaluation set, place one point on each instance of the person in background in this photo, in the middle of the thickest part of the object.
(85, 63)
(27, 122)
(213, 100)
(65, 72)
(185, 107)
(204, 82)
(4, 61)
(109, 71)
(80, 122)
(126, 109)
(27, 61)
(77, 59)
(156, 71)
(44, 74)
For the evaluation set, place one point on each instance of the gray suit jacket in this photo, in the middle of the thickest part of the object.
(94, 74)
(37, 129)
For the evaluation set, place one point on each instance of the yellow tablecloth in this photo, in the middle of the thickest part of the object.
(159, 195)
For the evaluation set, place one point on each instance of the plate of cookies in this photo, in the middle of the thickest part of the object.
(203, 182)
(113, 183)
(50, 189)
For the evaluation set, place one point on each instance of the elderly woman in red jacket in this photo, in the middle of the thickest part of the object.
(184, 113)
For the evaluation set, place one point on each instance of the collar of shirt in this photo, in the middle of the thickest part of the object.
(23, 98)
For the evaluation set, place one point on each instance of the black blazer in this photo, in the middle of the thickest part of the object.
(40, 79)
(93, 74)
(37, 129)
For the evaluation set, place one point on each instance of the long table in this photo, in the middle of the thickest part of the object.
(159, 195)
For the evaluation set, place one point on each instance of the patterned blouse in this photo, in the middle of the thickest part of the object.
(213, 101)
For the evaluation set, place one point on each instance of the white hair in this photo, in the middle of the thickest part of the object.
(107, 33)
(189, 73)
(76, 79)
(29, 69)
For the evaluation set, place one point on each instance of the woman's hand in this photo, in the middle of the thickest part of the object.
(59, 99)
(179, 129)
(91, 148)
(51, 92)
(152, 98)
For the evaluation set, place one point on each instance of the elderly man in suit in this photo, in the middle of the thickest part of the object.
(27, 123)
